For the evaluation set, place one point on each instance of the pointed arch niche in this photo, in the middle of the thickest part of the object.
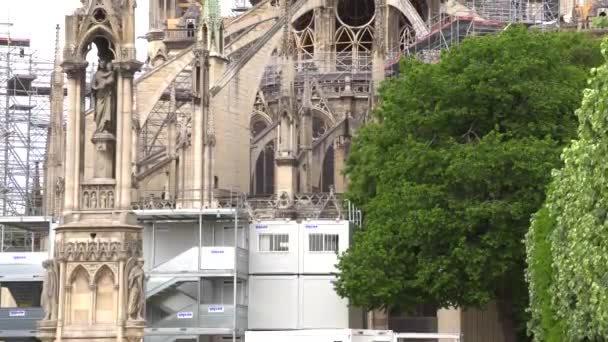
(328, 175)
(106, 296)
(79, 297)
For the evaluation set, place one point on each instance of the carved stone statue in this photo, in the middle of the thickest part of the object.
(86, 201)
(83, 9)
(103, 201)
(48, 300)
(93, 200)
(59, 186)
(103, 90)
(135, 285)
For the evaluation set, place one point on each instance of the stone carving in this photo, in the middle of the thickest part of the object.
(83, 9)
(93, 199)
(103, 200)
(97, 196)
(99, 250)
(50, 290)
(103, 90)
(135, 285)
(86, 203)
(59, 186)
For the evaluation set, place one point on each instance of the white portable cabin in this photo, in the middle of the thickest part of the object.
(292, 275)
(320, 335)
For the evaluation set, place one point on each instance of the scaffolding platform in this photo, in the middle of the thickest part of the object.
(146, 215)
(20, 84)
(21, 107)
(29, 223)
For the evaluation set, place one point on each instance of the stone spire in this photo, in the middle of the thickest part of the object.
(55, 142)
(285, 157)
(35, 205)
(212, 27)
(287, 48)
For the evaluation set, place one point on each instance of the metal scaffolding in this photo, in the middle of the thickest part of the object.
(475, 18)
(24, 121)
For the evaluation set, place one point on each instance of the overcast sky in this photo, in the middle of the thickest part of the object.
(36, 20)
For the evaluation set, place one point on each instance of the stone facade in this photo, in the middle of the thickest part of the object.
(264, 103)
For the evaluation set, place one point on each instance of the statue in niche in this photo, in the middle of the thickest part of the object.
(86, 202)
(93, 200)
(103, 200)
(103, 91)
(59, 186)
(110, 199)
(135, 285)
(49, 296)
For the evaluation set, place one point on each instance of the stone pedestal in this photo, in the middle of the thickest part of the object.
(47, 330)
(100, 276)
(104, 154)
(134, 331)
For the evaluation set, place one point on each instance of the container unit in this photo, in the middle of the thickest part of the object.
(24, 245)
(197, 264)
(292, 274)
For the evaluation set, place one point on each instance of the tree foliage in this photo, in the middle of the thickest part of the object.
(572, 292)
(456, 162)
(544, 323)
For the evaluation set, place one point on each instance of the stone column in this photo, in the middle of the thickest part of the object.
(69, 204)
(120, 123)
(75, 72)
(171, 145)
(127, 70)
(325, 28)
(341, 147)
(198, 129)
(306, 139)
(61, 303)
(379, 48)
(449, 322)
(121, 294)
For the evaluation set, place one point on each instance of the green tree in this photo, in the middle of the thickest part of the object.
(544, 324)
(455, 164)
(569, 296)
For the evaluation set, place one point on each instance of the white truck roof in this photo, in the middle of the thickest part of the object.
(320, 335)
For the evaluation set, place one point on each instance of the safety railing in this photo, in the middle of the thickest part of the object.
(180, 35)
(188, 199)
(305, 205)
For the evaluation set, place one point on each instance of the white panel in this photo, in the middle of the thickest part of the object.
(316, 262)
(274, 262)
(173, 239)
(186, 261)
(321, 307)
(217, 258)
(273, 302)
(23, 258)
